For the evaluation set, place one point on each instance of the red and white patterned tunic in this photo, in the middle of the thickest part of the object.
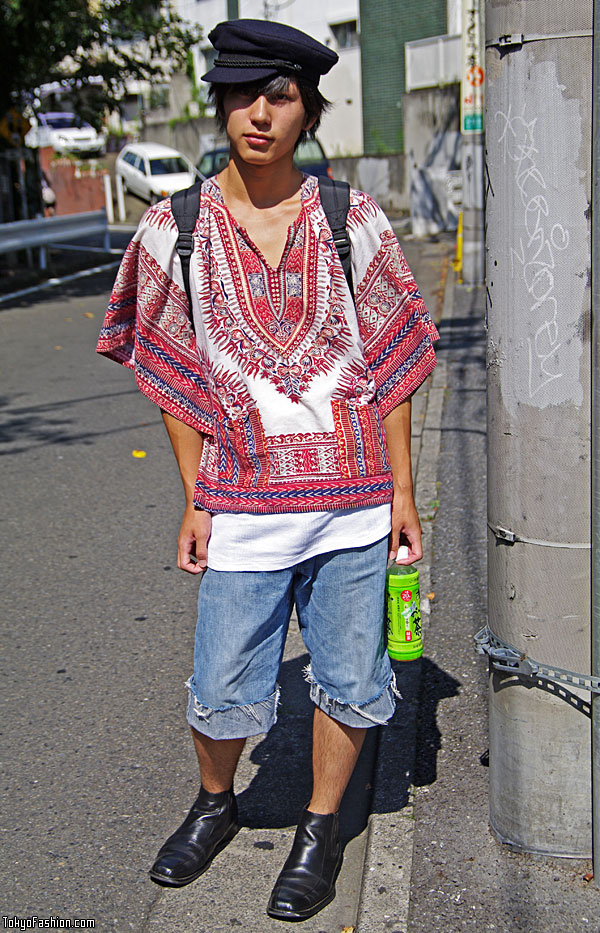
(288, 380)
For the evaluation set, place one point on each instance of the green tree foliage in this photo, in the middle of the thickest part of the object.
(92, 45)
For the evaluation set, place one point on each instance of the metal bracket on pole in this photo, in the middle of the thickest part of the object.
(504, 534)
(504, 657)
(512, 537)
(516, 39)
(507, 42)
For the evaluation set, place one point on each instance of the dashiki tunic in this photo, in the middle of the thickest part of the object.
(287, 379)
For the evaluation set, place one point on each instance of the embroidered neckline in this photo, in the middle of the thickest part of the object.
(272, 271)
(282, 328)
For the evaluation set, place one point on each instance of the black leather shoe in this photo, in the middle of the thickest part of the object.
(307, 880)
(209, 826)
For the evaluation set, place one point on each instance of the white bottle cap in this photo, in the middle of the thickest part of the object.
(402, 553)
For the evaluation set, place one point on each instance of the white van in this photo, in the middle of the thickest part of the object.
(66, 133)
(154, 172)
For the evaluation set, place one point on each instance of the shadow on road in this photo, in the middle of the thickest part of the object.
(22, 429)
(283, 783)
(423, 686)
(436, 685)
(78, 288)
(460, 333)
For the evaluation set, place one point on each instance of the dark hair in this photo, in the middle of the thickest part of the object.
(315, 105)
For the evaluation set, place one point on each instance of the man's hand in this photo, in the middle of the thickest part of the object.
(406, 528)
(192, 542)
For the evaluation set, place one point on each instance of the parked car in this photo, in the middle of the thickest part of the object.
(213, 161)
(66, 133)
(309, 157)
(153, 171)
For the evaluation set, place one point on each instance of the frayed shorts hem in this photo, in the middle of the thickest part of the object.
(376, 711)
(232, 722)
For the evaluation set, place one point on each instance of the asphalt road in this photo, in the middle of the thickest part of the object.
(96, 640)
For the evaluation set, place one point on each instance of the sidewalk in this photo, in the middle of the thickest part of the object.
(385, 893)
(462, 877)
(446, 870)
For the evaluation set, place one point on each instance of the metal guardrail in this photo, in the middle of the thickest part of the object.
(43, 231)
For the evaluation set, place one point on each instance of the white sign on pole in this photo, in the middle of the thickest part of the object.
(473, 71)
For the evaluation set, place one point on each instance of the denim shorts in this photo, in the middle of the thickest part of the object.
(243, 619)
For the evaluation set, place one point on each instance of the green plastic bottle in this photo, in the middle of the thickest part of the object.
(403, 611)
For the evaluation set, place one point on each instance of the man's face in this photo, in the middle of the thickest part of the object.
(264, 127)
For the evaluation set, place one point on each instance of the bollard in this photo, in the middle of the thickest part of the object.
(110, 214)
(457, 261)
(120, 199)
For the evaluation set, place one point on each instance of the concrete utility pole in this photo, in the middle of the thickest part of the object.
(596, 443)
(538, 152)
(471, 124)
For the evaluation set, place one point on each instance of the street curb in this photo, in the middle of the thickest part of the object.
(385, 890)
(426, 490)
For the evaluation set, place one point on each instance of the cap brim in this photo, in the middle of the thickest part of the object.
(218, 75)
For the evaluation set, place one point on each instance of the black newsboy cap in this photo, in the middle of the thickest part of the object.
(253, 49)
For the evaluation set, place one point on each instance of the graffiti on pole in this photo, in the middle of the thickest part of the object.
(473, 71)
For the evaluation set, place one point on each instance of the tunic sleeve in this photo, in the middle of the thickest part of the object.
(395, 326)
(147, 325)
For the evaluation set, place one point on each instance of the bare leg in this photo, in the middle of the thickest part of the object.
(335, 750)
(218, 760)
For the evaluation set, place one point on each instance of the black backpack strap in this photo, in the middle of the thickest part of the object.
(335, 198)
(185, 206)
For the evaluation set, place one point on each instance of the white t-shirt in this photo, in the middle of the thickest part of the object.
(245, 541)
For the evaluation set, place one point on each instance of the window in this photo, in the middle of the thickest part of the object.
(309, 151)
(213, 162)
(168, 165)
(62, 121)
(221, 160)
(346, 34)
(209, 57)
(205, 164)
(159, 96)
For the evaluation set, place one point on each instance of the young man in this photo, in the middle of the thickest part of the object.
(288, 408)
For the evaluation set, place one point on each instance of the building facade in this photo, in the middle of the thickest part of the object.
(385, 26)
